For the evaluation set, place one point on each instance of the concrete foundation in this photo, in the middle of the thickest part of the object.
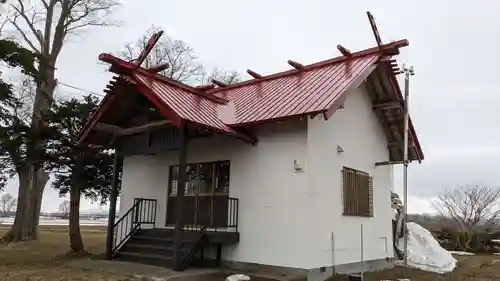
(315, 274)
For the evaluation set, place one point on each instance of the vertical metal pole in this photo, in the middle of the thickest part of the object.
(408, 72)
(117, 165)
(362, 254)
(179, 214)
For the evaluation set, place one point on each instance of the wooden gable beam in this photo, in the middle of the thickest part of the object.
(397, 144)
(107, 128)
(388, 163)
(295, 64)
(387, 105)
(254, 74)
(119, 131)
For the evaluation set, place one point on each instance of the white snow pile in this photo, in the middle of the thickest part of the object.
(425, 253)
(238, 277)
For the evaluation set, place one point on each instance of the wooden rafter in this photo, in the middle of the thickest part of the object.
(295, 64)
(254, 74)
(219, 83)
(345, 52)
(158, 68)
(205, 87)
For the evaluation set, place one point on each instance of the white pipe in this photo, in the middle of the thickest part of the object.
(408, 72)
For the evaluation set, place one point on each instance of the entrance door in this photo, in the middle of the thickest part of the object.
(206, 194)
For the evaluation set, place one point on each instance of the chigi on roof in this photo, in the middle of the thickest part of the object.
(303, 91)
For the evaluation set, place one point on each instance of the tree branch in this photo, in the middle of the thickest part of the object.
(48, 26)
(21, 12)
(60, 31)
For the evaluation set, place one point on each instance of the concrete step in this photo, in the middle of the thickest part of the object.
(153, 240)
(158, 232)
(149, 259)
(166, 251)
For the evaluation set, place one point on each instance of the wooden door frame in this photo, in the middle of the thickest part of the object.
(212, 194)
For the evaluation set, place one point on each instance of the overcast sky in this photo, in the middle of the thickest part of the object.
(455, 95)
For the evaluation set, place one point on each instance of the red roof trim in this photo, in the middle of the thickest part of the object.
(120, 66)
(337, 102)
(90, 124)
(393, 45)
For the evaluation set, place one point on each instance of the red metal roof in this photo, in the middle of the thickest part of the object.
(185, 104)
(303, 92)
(311, 89)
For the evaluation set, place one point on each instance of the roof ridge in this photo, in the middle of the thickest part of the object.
(366, 52)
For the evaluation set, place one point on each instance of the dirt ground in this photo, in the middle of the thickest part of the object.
(48, 259)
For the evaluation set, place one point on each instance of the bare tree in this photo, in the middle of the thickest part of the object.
(470, 206)
(184, 65)
(64, 209)
(227, 77)
(7, 203)
(180, 56)
(43, 26)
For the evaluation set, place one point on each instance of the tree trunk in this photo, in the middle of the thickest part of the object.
(32, 178)
(75, 236)
(31, 185)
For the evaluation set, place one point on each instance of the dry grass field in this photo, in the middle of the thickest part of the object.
(48, 259)
(470, 268)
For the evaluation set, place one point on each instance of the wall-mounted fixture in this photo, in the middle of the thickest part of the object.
(340, 149)
(298, 166)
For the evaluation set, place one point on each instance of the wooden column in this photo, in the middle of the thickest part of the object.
(117, 166)
(179, 214)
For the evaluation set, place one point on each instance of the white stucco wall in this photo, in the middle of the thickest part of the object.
(337, 239)
(271, 194)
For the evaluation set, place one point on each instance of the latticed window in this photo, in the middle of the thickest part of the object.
(357, 193)
(202, 179)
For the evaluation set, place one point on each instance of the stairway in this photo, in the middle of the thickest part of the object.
(152, 247)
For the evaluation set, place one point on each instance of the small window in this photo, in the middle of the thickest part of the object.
(358, 193)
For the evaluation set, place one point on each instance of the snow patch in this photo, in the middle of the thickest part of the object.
(459, 253)
(238, 277)
(425, 253)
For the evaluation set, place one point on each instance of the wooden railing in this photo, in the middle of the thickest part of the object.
(232, 216)
(203, 216)
(197, 231)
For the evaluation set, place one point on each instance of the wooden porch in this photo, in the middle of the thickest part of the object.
(136, 236)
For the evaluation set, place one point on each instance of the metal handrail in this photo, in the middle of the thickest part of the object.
(142, 212)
